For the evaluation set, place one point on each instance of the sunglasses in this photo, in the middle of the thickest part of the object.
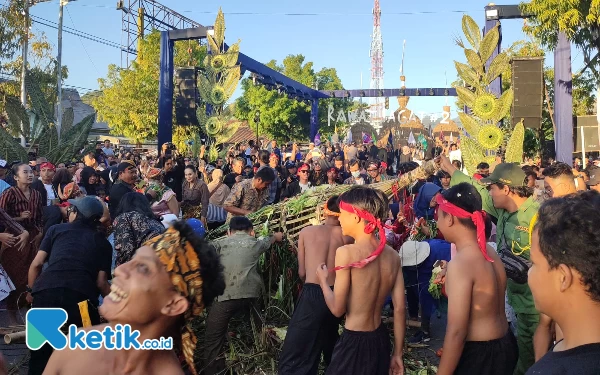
(372, 170)
(186, 159)
(304, 171)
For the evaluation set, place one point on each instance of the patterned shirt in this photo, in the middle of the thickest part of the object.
(14, 202)
(274, 187)
(239, 256)
(245, 196)
(131, 230)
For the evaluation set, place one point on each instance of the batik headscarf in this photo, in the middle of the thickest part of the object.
(182, 264)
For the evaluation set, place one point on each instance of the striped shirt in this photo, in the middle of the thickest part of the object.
(14, 202)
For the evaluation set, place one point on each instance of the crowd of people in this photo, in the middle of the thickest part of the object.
(122, 231)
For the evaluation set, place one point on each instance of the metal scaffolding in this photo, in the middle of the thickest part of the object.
(377, 107)
(142, 16)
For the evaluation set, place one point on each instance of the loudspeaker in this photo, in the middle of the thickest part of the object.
(589, 125)
(549, 150)
(186, 96)
(528, 87)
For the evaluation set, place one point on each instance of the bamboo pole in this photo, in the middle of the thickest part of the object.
(15, 337)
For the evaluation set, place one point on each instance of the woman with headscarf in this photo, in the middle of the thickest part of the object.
(89, 181)
(424, 209)
(165, 202)
(167, 284)
(218, 191)
(195, 195)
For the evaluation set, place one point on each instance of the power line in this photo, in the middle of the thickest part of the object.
(83, 45)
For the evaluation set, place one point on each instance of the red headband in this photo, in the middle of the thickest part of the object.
(477, 217)
(373, 223)
(47, 165)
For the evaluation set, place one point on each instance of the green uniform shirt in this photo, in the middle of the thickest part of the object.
(515, 228)
(239, 256)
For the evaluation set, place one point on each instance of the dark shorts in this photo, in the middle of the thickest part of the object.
(495, 357)
(313, 330)
(362, 353)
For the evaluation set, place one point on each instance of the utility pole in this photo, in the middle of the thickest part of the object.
(59, 63)
(24, 49)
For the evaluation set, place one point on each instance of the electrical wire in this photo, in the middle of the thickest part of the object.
(83, 45)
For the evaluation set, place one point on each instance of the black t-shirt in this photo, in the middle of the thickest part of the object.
(229, 179)
(582, 360)
(76, 253)
(52, 216)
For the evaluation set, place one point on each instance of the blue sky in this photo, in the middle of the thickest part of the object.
(338, 36)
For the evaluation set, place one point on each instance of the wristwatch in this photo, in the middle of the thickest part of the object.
(28, 289)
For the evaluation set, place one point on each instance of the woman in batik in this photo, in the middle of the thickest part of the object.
(195, 196)
(23, 205)
(165, 202)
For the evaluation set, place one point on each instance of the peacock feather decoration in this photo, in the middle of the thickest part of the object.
(483, 137)
(216, 87)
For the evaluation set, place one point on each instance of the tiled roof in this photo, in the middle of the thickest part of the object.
(243, 134)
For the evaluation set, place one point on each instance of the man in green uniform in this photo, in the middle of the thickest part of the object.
(505, 196)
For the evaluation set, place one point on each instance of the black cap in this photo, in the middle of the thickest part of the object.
(594, 176)
(125, 166)
(88, 206)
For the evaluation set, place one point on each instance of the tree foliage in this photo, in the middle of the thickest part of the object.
(129, 97)
(578, 19)
(283, 118)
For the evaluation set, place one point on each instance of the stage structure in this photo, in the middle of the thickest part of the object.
(563, 99)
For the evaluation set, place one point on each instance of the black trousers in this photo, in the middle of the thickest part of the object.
(495, 357)
(68, 300)
(412, 291)
(362, 353)
(215, 337)
(313, 330)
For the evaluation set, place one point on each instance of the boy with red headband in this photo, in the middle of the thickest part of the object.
(313, 329)
(366, 273)
(478, 340)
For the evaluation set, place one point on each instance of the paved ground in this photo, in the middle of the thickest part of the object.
(15, 355)
(438, 330)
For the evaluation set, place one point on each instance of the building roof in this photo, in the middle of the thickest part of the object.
(243, 134)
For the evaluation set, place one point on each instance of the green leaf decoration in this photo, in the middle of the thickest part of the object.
(201, 115)
(472, 154)
(474, 61)
(228, 131)
(467, 96)
(467, 73)
(213, 153)
(490, 137)
(499, 65)
(48, 140)
(231, 82)
(469, 123)
(489, 44)
(18, 120)
(472, 31)
(486, 106)
(514, 148)
(232, 54)
(217, 95)
(38, 101)
(204, 87)
(214, 47)
(72, 141)
(10, 149)
(67, 120)
(217, 63)
(213, 126)
(219, 28)
(505, 102)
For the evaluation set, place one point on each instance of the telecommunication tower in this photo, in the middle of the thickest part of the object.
(377, 110)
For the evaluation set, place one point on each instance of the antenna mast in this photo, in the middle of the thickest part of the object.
(377, 67)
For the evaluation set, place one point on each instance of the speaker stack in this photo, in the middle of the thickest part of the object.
(186, 97)
(585, 131)
(528, 87)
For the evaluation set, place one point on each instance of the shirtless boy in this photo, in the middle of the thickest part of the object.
(166, 284)
(477, 340)
(313, 328)
(366, 272)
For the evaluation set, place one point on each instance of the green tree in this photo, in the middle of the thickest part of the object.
(578, 19)
(128, 101)
(286, 119)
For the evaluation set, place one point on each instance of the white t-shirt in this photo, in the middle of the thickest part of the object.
(50, 193)
(304, 187)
